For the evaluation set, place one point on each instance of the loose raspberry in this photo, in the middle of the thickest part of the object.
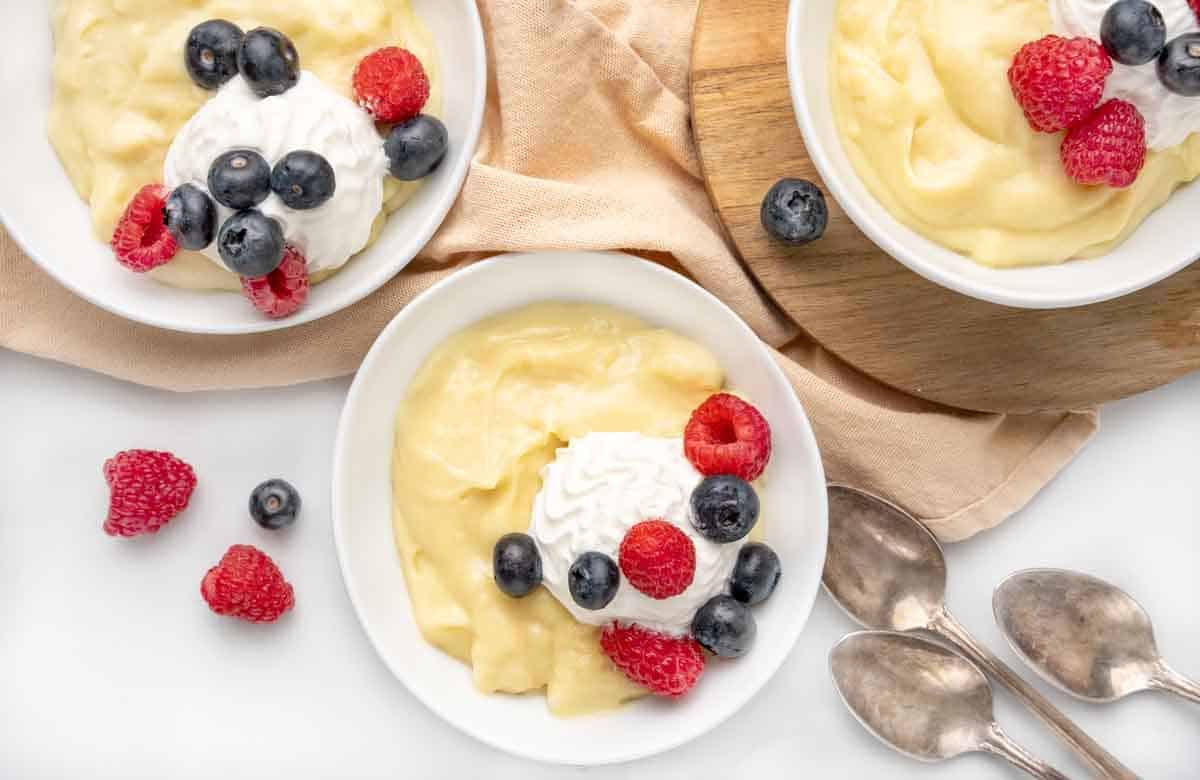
(1108, 148)
(141, 241)
(284, 290)
(247, 584)
(391, 84)
(726, 435)
(658, 559)
(1195, 4)
(146, 490)
(666, 665)
(1058, 81)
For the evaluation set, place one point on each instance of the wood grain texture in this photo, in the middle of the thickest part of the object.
(875, 313)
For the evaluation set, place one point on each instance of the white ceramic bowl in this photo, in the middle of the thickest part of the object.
(46, 217)
(1158, 249)
(795, 516)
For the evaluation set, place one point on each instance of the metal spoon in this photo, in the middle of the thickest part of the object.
(1087, 637)
(924, 700)
(887, 571)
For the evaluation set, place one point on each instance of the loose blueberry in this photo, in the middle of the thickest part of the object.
(274, 504)
(593, 580)
(794, 211)
(724, 627)
(1133, 32)
(724, 508)
(269, 62)
(516, 565)
(415, 148)
(1179, 65)
(251, 244)
(755, 574)
(303, 180)
(191, 217)
(240, 179)
(211, 53)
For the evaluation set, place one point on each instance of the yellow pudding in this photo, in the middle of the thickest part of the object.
(484, 415)
(924, 110)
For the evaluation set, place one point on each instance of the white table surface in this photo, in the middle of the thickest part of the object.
(111, 666)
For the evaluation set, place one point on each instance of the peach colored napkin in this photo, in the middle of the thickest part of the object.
(586, 146)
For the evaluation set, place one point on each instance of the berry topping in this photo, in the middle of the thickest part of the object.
(517, 565)
(240, 179)
(724, 508)
(391, 84)
(303, 180)
(794, 211)
(726, 435)
(146, 490)
(1179, 65)
(724, 627)
(284, 290)
(247, 584)
(211, 53)
(666, 665)
(593, 580)
(1108, 148)
(251, 244)
(755, 574)
(141, 241)
(416, 147)
(1133, 32)
(269, 62)
(1058, 81)
(274, 504)
(658, 559)
(191, 216)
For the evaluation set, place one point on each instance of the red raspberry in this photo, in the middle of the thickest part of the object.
(1058, 81)
(247, 584)
(667, 665)
(726, 435)
(1195, 4)
(284, 290)
(1109, 147)
(391, 85)
(146, 490)
(658, 559)
(141, 240)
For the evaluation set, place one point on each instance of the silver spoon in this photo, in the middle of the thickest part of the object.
(1087, 637)
(887, 571)
(924, 700)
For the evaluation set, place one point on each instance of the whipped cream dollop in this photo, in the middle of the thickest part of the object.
(596, 489)
(1170, 118)
(309, 116)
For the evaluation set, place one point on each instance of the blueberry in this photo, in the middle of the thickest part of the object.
(1179, 65)
(755, 574)
(1133, 32)
(191, 216)
(303, 180)
(724, 627)
(268, 61)
(593, 580)
(274, 504)
(240, 179)
(724, 508)
(415, 148)
(211, 53)
(516, 565)
(251, 244)
(794, 211)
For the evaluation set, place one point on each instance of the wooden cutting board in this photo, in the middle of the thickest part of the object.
(872, 311)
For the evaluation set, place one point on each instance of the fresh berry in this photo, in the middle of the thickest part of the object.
(1195, 6)
(268, 61)
(240, 179)
(794, 211)
(726, 435)
(724, 627)
(666, 665)
(724, 508)
(658, 559)
(516, 565)
(1133, 32)
(1179, 65)
(191, 216)
(211, 54)
(284, 290)
(1058, 81)
(416, 147)
(303, 180)
(1108, 148)
(593, 580)
(251, 244)
(146, 490)
(755, 574)
(391, 84)
(141, 241)
(274, 504)
(247, 584)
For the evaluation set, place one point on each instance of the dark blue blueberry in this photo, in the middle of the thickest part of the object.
(240, 179)
(724, 627)
(415, 148)
(211, 53)
(1179, 65)
(593, 580)
(516, 565)
(724, 508)
(269, 62)
(191, 216)
(1133, 32)
(303, 180)
(794, 211)
(274, 504)
(755, 574)
(251, 244)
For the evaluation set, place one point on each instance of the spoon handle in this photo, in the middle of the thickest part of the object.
(1167, 679)
(1000, 744)
(1084, 746)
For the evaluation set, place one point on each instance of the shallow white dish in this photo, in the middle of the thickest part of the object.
(1156, 250)
(46, 217)
(795, 515)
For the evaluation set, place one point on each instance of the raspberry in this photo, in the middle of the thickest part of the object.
(146, 490)
(1058, 81)
(284, 290)
(667, 665)
(141, 240)
(1195, 4)
(726, 435)
(1109, 147)
(247, 584)
(391, 85)
(658, 559)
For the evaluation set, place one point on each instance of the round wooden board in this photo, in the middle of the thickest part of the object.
(872, 311)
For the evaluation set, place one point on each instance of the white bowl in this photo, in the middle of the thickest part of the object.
(46, 217)
(362, 505)
(1156, 250)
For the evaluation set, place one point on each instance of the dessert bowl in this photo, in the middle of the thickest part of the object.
(795, 521)
(47, 218)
